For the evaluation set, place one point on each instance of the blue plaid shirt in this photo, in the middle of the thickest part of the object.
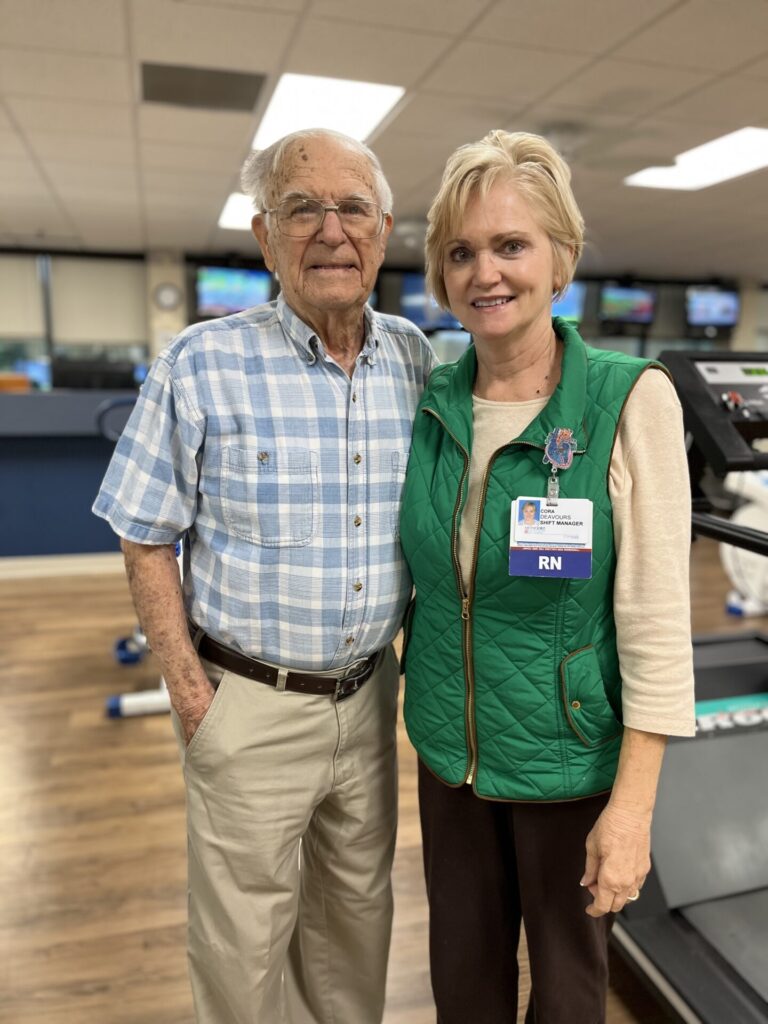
(285, 475)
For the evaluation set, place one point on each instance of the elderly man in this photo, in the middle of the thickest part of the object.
(275, 442)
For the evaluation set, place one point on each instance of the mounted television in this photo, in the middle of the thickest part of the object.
(624, 306)
(710, 312)
(571, 305)
(99, 373)
(224, 290)
(421, 309)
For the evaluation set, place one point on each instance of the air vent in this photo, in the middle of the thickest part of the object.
(202, 88)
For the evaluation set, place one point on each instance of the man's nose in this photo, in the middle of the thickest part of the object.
(331, 232)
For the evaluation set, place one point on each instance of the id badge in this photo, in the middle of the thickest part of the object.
(551, 540)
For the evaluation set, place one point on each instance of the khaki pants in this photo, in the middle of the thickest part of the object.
(291, 816)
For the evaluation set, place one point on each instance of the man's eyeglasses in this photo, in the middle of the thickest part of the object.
(300, 218)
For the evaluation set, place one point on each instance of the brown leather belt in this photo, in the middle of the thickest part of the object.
(338, 687)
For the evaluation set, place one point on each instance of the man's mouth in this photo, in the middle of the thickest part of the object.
(501, 300)
(332, 266)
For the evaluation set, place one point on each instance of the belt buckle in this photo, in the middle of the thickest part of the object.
(349, 684)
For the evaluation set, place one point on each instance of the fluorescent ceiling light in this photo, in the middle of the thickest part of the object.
(306, 101)
(730, 156)
(237, 213)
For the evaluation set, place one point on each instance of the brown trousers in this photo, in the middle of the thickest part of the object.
(490, 865)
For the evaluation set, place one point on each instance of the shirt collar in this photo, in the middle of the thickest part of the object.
(309, 343)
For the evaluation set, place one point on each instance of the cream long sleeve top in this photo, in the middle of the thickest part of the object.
(650, 495)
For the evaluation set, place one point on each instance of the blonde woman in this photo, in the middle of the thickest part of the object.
(544, 669)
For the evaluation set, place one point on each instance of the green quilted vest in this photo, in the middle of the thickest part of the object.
(513, 678)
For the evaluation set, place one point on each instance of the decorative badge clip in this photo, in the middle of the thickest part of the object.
(558, 451)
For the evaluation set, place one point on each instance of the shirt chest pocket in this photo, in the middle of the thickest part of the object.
(269, 495)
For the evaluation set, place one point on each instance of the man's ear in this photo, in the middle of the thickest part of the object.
(261, 233)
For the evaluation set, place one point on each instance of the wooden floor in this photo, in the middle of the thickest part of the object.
(92, 846)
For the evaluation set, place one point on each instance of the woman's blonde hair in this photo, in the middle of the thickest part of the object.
(539, 173)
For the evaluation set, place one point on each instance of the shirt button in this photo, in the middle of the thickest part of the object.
(357, 520)
(357, 459)
(575, 704)
(357, 587)
(263, 456)
(354, 396)
(349, 641)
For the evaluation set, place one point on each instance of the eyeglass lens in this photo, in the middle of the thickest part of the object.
(302, 217)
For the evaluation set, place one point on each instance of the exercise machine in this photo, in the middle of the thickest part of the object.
(699, 935)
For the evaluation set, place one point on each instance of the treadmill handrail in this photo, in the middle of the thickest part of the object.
(729, 533)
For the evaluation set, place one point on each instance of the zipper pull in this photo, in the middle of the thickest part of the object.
(465, 608)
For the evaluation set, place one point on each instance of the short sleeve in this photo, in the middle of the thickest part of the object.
(149, 492)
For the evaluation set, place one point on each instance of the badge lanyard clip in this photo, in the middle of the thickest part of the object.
(558, 452)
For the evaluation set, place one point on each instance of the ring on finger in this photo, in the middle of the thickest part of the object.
(631, 899)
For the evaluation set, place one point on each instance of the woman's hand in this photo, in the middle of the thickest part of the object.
(618, 858)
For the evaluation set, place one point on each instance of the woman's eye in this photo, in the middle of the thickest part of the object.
(512, 248)
(459, 255)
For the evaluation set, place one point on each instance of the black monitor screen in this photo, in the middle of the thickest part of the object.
(627, 305)
(224, 290)
(106, 374)
(421, 309)
(711, 307)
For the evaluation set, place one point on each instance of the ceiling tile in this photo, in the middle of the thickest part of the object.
(293, 6)
(191, 158)
(451, 16)
(103, 119)
(229, 38)
(758, 69)
(362, 54)
(176, 124)
(714, 37)
(80, 26)
(39, 216)
(455, 119)
(117, 178)
(199, 184)
(178, 234)
(31, 73)
(12, 145)
(579, 26)
(408, 159)
(626, 88)
(728, 103)
(69, 146)
(20, 170)
(493, 70)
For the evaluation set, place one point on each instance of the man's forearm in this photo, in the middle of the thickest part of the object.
(153, 577)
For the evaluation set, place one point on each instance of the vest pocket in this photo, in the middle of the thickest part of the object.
(587, 708)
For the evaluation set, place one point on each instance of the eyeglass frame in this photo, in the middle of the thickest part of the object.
(334, 209)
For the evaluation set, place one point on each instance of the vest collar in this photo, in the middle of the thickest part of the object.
(565, 408)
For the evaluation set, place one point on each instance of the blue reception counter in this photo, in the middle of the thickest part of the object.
(52, 460)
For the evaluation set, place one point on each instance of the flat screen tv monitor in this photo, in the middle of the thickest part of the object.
(224, 290)
(711, 307)
(571, 305)
(622, 305)
(101, 374)
(421, 309)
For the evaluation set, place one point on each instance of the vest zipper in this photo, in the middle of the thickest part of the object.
(466, 601)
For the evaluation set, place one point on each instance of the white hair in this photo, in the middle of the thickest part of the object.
(261, 168)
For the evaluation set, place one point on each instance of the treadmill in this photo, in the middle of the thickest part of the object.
(699, 935)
